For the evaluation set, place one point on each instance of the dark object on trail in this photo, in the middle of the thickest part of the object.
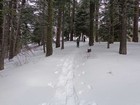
(110, 72)
(89, 50)
(78, 41)
(84, 39)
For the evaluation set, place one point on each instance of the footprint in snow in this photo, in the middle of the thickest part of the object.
(83, 64)
(79, 75)
(82, 83)
(56, 72)
(77, 66)
(50, 85)
(80, 92)
(62, 60)
(89, 87)
(83, 72)
(58, 65)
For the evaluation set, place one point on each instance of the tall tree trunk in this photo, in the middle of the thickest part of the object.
(59, 22)
(96, 21)
(49, 29)
(18, 32)
(92, 10)
(111, 21)
(63, 11)
(111, 25)
(136, 17)
(1, 37)
(123, 21)
(69, 6)
(72, 22)
(44, 31)
(6, 25)
(13, 6)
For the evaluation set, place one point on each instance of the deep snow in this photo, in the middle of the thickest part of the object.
(73, 77)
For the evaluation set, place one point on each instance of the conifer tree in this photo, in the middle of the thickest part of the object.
(49, 49)
(123, 22)
(59, 23)
(1, 37)
(92, 10)
(136, 17)
(73, 21)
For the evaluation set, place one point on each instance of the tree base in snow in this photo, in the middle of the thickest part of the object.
(89, 50)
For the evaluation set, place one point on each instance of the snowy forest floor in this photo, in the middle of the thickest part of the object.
(73, 77)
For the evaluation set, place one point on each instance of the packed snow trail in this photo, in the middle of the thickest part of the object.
(65, 90)
(73, 77)
(66, 93)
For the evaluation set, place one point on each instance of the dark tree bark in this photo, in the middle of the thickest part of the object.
(96, 21)
(49, 29)
(72, 22)
(136, 17)
(123, 22)
(6, 25)
(63, 23)
(18, 29)
(111, 21)
(111, 25)
(13, 6)
(92, 10)
(44, 31)
(59, 22)
(1, 37)
(69, 6)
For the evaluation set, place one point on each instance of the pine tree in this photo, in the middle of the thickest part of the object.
(49, 48)
(63, 24)
(111, 23)
(92, 10)
(123, 22)
(59, 24)
(96, 20)
(1, 37)
(136, 17)
(72, 21)
(6, 25)
(82, 19)
(18, 28)
(13, 6)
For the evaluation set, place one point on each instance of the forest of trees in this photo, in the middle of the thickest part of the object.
(38, 21)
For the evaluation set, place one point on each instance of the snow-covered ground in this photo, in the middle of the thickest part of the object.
(73, 77)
